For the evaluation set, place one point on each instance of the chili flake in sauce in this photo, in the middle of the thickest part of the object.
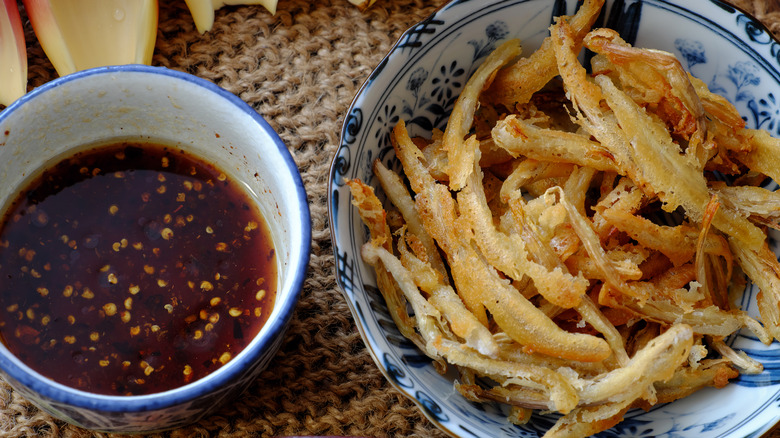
(133, 268)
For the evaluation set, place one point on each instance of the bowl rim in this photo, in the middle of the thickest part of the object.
(344, 133)
(275, 328)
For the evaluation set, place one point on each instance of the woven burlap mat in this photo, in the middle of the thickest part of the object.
(300, 69)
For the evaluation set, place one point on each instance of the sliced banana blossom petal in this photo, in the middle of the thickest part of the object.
(362, 4)
(13, 54)
(203, 10)
(81, 34)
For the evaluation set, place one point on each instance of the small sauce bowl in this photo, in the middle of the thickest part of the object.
(158, 105)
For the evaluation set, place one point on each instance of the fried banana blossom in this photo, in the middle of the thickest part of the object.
(569, 236)
(81, 34)
(13, 54)
(203, 10)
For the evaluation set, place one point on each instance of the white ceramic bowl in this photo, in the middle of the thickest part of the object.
(170, 107)
(420, 80)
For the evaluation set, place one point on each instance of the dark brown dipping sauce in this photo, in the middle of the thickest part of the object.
(132, 269)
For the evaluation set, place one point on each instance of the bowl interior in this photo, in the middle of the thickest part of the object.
(419, 81)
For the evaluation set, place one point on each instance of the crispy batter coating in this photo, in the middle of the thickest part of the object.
(569, 241)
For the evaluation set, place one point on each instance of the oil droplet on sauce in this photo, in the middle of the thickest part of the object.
(111, 282)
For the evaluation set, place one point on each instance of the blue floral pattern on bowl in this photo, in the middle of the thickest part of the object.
(419, 82)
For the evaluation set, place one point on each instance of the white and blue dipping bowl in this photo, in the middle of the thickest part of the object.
(140, 102)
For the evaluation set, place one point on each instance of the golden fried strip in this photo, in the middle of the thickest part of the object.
(686, 381)
(559, 391)
(588, 421)
(507, 253)
(512, 351)
(764, 153)
(426, 316)
(633, 137)
(398, 195)
(516, 83)
(513, 395)
(657, 361)
(544, 256)
(478, 284)
(659, 71)
(676, 242)
(374, 216)
(436, 208)
(660, 157)
(763, 269)
(739, 359)
(760, 204)
(671, 285)
(396, 306)
(459, 159)
(709, 270)
(717, 107)
(577, 186)
(518, 137)
(625, 196)
(523, 321)
(528, 171)
(371, 212)
(580, 262)
(441, 295)
(710, 320)
(592, 315)
(612, 270)
(586, 98)
(725, 129)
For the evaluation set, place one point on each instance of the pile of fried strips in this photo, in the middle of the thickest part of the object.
(575, 242)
